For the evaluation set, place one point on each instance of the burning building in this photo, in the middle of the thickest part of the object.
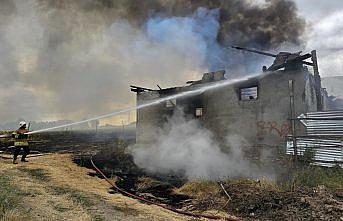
(259, 109)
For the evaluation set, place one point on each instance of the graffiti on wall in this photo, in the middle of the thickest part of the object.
(271, 127)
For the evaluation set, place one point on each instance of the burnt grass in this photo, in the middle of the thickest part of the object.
(298, 198)
(250, 199)
(116, 162)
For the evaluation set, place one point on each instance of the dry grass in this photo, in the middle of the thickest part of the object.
(199, 189)
(262, 184)
(207, 195)
(145, 183)
(36, 173)
(10, 197)
(14, 215)
(52, 187)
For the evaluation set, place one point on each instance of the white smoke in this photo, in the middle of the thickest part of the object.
(76, 59)
(69, 63)
(185, 148)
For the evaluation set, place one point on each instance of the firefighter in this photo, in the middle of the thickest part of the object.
(21, 141)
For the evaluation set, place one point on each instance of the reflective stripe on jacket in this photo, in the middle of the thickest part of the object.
(21, 143)
(21, 139)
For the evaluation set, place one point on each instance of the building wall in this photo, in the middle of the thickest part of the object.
(261, 122)
(264, 121)
(149, 119)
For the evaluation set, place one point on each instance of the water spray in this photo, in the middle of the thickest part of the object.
(189, 93)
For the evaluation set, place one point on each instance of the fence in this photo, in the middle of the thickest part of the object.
(324, 136)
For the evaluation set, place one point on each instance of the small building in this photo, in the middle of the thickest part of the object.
(258, 109)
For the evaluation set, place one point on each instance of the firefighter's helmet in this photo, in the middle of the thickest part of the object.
(22, 123)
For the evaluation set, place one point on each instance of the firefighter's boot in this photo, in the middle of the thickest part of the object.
(24, 160)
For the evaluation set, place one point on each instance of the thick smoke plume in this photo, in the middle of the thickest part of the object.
(265, 26)
(75, 59)
(185, 148)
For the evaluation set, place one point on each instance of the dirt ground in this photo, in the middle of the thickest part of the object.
(249, 199)
(55, 188)
(63, 186)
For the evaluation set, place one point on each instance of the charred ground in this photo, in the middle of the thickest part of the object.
(311, 193)
(293, 199)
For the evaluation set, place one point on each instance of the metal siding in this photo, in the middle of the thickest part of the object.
(326, 124)
(329, 151)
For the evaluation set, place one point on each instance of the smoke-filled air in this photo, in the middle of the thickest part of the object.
(171, 110)
(76, 59)
(184, 148)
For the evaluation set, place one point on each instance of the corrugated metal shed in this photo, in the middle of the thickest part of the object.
(324, 135)
(328, 123)
(326, 152)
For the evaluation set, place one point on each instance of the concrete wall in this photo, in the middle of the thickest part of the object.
(262, 122)
(149, 119)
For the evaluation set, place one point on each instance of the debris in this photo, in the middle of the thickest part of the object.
(221, 185)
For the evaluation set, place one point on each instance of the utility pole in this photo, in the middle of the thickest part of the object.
(317, 81)
(292, 117)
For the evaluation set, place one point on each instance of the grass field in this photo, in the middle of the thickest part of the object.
(52, 187)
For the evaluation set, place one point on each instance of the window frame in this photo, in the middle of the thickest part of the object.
(249, 87)
(201, 112)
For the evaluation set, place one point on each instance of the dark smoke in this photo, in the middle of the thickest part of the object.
(75, 59)
(241, 22)
(266, 27)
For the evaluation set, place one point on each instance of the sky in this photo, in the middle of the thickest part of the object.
(316, 9)
(325, 33)
(78, 94)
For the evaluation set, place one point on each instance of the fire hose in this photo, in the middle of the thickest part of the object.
(196, 215)
(38, 154)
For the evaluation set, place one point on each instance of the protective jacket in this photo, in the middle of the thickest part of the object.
(20, 137)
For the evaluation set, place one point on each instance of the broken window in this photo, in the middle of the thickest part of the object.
(198, 112)
(248, 93)
(171, 103)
